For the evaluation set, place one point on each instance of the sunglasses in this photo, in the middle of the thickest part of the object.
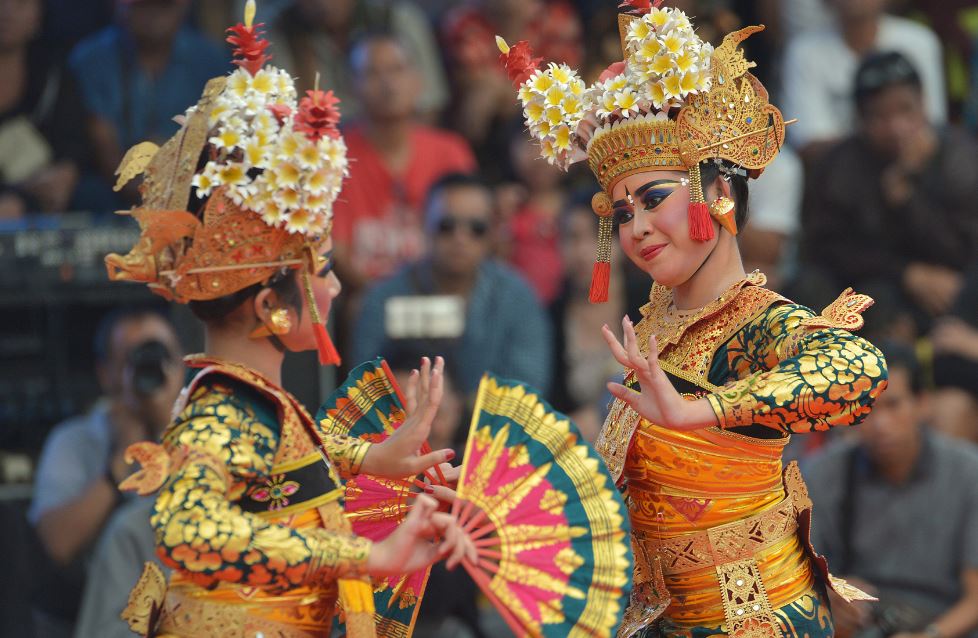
(478, 228)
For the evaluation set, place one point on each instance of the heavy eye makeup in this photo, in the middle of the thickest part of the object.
(325, 263)
(649, 196)
(655, 192)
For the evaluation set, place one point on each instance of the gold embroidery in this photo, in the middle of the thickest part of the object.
(295, 442)
(650, 596)
(746, 608)
(336, 557)
(687, 343)
(615, 436)
(346, 452)
(741, 539)
(186, 615)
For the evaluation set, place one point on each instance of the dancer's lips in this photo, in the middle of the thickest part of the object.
(649, 253)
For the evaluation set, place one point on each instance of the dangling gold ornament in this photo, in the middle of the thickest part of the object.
(279, 323)
(723, 210)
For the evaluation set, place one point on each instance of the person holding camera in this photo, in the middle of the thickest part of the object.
(140, 373)
(898, 517)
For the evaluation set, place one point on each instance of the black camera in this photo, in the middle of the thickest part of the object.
(147, 362)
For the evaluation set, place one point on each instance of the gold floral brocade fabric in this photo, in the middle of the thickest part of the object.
(273, 571)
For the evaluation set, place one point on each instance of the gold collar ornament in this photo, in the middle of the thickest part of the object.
(672, 103)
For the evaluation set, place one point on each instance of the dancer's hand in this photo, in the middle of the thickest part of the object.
(398, 456)
(424, 537)
(659, 402)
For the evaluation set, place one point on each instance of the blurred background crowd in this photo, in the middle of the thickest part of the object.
(452, 237)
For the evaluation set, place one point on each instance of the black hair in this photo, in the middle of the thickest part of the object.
(898, 355)
(881, 71)
(216, 310)
(454, 180)
(739, 192)
(380, 34)
(102, 343)
(579, 199)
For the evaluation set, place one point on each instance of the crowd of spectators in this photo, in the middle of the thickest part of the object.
(452, 237)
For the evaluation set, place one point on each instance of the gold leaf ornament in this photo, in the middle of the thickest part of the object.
(155, 467)
(142, 612)
(845, 312)
(134, 163)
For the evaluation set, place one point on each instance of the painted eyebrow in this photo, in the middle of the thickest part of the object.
(659, 182)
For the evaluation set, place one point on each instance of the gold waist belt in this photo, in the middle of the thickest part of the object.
(729, 542)
(186, 615)
(733, 551)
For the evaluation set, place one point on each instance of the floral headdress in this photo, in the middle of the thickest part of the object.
(672, 103)
(244, 189)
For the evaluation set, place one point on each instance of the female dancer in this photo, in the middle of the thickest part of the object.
(235, 221)
(720, 371)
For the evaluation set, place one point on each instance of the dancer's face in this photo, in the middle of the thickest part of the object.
(325, 286)
(650, 209)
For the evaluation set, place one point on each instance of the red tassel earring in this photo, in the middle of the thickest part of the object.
(328, 355)
(700, 223)
(601, 273)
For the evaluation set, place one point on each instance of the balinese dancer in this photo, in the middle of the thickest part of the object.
(235, 216)
(720, 371)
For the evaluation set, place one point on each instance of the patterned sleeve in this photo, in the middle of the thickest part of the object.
(216, 444)
(346, 453)
(799, 378)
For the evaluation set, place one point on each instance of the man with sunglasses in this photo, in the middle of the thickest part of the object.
(458, 300)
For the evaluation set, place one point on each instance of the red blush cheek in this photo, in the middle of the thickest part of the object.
(673, 222)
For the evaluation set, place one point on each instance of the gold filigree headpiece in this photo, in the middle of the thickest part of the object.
(672, 103)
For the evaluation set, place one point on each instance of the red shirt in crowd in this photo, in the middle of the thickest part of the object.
(535, 251)
(378, 215)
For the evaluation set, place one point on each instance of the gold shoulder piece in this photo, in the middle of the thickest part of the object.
(134, 163)
(845, 312)
(142, 612)
(155, 467)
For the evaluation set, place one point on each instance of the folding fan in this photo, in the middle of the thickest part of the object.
(550, 527)
(369, 405)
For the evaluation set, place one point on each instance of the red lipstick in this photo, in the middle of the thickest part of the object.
(649, 253)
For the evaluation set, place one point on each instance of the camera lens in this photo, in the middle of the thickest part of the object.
(147, 361)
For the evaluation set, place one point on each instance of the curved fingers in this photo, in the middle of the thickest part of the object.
(617, 350)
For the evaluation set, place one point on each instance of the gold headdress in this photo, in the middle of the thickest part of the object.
(242, 191)
(672, 103)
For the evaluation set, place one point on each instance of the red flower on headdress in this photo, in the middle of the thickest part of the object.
(640, 7)
(280, 111)
(519, 61)
(318, 115)
(249, 47)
